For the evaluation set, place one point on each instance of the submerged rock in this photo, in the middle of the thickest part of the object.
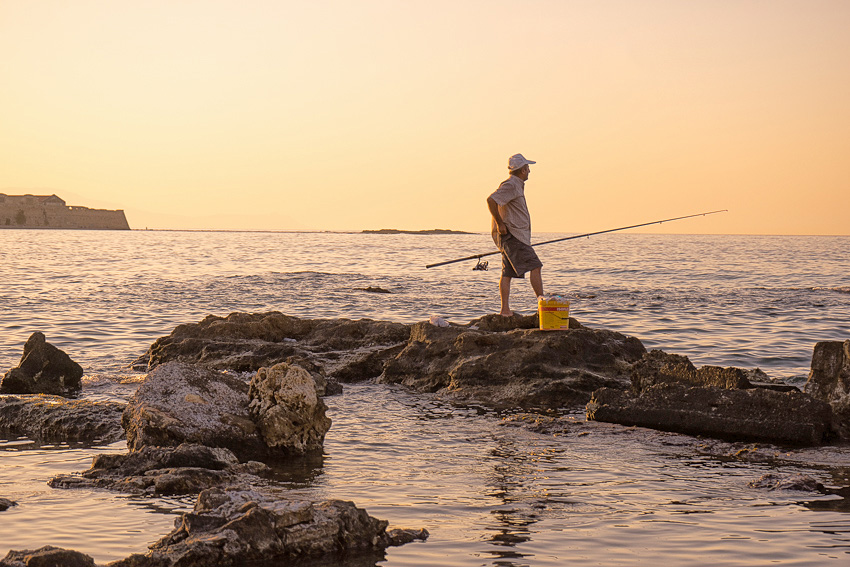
(829, 380)
(519, 368)
(47, 556)
(792, 418)
(249, 341)
(43, 369)
(774, 481)
(235, 526)
(186, 469)
(5, 504)
(54, 418)
(179, 403)
(285, 407)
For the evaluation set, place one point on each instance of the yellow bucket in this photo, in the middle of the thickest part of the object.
(553, 312)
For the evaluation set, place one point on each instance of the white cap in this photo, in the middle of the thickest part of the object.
(516, 161)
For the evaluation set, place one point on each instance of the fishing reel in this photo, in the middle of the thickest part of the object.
(481, 266)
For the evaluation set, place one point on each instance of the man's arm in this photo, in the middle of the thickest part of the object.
(494, 210)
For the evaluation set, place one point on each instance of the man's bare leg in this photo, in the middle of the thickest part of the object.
(536, 282)
(504, 294)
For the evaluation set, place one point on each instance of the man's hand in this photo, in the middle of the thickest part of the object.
(503, 229)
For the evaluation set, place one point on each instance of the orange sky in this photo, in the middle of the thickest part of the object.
(340, 115)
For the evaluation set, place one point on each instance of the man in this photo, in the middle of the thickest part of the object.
(511, 228)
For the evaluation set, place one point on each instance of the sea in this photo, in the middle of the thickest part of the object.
(488, 492)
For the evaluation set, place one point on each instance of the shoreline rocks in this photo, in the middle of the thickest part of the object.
(526, 368)
(791, 418)
(43, 369)
(155, 471)
(237, 525)
(54, 418)
(180, 403)
(829, 380)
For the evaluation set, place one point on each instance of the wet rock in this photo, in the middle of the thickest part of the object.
(829, 377)
(186, 469)
(829, 380)
(5, 504)
(43, 369)
(286, 409)
(756, 414)
(774, 481)
(235, 526)
(658, 367)
(47, 556)
(519, 368)
(246, 342)
(54, 418)
(372, 289)
(179, 403)
(366, 364)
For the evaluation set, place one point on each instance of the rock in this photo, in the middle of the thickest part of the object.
(5, 504)
(246, 342)
(829, 380)
(47, 556)
(54, 418)
(285, 407)
(829, 377)
(773, 481)
(658, 367)
(324, 386)
(792, 418)
(186, 469)
(179, 403)
(519, 368)
(44, 369)
(236, 526)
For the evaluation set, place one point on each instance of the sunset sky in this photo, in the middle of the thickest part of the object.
(350, 115)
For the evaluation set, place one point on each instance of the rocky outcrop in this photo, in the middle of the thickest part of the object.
(285, 407)
(792, 418)
(235, 526)
(47, 556)
(829, 380)
(247, 341)
(186, 469)
(54, 418)
(179, 403)
(519, 368)
(800, 482)
(44, 369)
(658, 367)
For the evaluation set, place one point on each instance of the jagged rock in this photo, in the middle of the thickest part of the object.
(47, 556)
(179, 403)
(756, 414)
(44, 369)
(186, 469)
(234, 526)
(5, 504)
(285, 407)
(773, 481)
(829, 380)
(324, 386)
(54, 418)
(518, 368)
(829, 377)
(247, 342)
(658, 367)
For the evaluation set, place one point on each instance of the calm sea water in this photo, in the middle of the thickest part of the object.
(489, 494)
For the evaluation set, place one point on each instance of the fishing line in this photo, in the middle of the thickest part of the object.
(483, 265)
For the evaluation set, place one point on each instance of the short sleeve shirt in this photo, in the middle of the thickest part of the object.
(510, 196)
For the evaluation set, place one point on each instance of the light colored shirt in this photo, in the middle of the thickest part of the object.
(510, 196)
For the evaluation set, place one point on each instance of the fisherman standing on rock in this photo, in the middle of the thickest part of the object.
(511, 228)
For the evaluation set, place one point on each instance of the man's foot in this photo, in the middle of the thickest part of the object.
(506, 314)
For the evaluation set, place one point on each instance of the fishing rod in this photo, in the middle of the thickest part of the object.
(588, 234)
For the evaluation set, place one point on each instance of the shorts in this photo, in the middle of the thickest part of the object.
(517, 257)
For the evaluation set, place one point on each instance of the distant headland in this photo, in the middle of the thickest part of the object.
(49, 211)
(431, 231)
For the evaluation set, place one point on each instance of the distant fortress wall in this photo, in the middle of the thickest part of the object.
(49, 211)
